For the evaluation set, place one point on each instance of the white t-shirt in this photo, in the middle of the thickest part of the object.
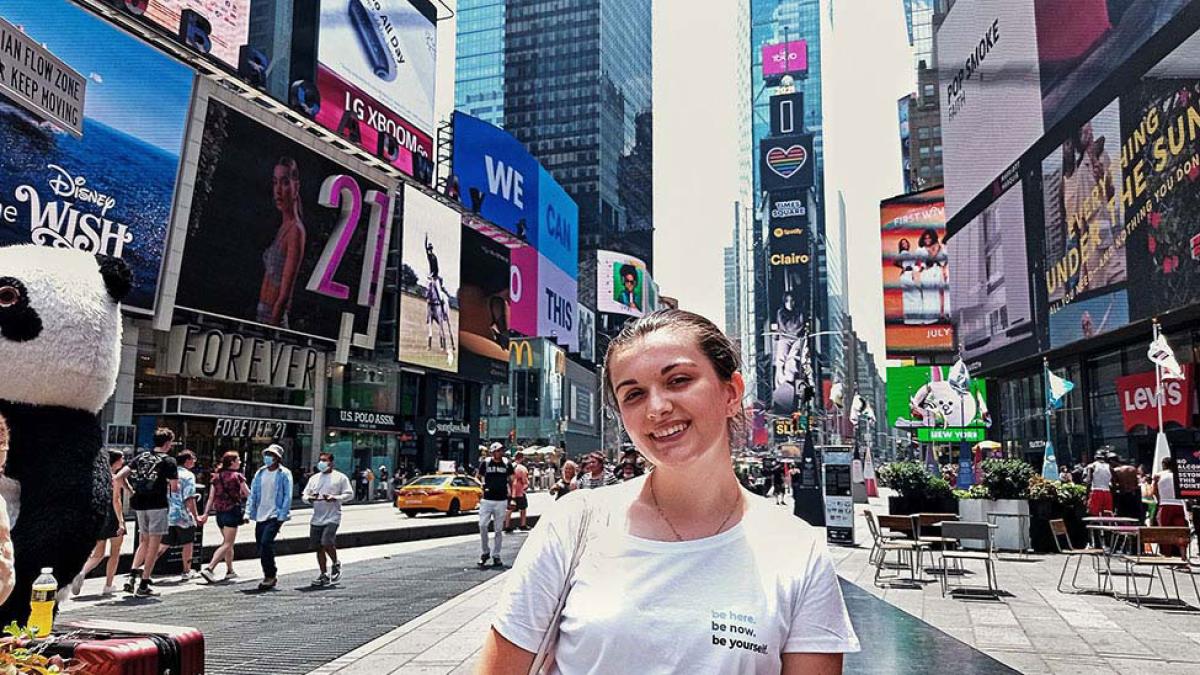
(266, 501)
(1166, 489)
(1101, 476)
(731, 603)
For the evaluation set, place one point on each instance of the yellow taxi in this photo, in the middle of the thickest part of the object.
(443, 493)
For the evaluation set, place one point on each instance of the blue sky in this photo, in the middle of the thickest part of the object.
(140, 91)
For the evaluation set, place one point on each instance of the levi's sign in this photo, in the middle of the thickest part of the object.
(1139, 404)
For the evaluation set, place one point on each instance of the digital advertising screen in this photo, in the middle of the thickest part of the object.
(787, 58)
(921, 397)
(523, 291)
(558, 305)
(277, 234)
(620, 284)
(989, 91)
(587, 334)
(227, 23)
(483, 309)
(497, 177)
(430, 258)
(1081, 42)
(990, 296)
(377, 62)
(787, 162)
(111, 189)
(557, 225)
(916, 274)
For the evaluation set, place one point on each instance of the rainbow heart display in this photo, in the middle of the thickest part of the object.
(787, 162)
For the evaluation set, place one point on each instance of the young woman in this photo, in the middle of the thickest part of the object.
(911, 300)
(226, 498)
(934, 276)
(281, 260)
(682, 570)
(114, 529)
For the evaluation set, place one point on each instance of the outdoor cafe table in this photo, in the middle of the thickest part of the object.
(1119, 537)
(1094, 522)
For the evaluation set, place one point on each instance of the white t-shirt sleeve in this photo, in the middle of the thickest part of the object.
(820, 623)
(535, 581)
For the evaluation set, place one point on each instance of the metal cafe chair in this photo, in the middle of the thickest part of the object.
(905, 547)
(928, 521)
(1059, 529)
(974, 532)
(1179, 537)
(878, 537)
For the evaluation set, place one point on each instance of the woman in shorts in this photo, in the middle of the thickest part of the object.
(114, 529)
(226, 499)
(682, 570)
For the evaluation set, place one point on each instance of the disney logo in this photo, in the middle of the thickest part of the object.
(68, 187)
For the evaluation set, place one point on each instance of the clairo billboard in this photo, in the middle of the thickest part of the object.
(483, 309)
(277, 234)
(916, 274)
(377, 62)
(111, 189)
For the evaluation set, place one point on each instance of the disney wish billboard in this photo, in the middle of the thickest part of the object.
(111, 189)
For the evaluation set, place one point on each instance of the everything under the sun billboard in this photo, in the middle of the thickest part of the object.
(110, 190)
(376, 76)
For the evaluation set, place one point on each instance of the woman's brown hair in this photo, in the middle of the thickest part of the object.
(229, 458)
(716, 347)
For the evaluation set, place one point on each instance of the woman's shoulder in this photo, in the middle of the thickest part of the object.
(778, 529)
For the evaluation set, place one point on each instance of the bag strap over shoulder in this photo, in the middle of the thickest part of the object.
(546, 648)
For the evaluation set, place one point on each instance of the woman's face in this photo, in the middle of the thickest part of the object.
(904, 245)
(926, 239)
(569, 472)
(283, 188)
(673, 404)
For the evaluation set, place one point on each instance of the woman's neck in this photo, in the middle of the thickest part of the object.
(696, 497)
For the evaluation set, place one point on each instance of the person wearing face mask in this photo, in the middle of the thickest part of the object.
(269, 506)
(326, 491)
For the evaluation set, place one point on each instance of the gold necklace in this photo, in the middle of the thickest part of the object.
(679, 537)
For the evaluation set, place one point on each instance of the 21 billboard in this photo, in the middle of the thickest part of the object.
(111, 190)
(278, 234)
(916, 274)
(787, 162)
(377, 63)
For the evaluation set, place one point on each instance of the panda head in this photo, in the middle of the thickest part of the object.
(60, 326)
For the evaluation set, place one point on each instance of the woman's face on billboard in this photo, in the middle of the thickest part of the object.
(284, 187)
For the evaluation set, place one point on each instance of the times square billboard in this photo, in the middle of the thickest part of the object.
(916, 274)
(1095, 226)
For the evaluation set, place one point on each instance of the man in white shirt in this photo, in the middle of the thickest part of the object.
(1099, 474)
(327, 490)
(270, 506)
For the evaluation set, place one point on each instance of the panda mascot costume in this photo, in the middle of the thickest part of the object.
(60, 349)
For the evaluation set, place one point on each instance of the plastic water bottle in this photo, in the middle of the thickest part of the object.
(41, 605)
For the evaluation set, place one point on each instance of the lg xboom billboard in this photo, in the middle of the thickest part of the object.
(376, 75)
(916, 274)
(278, 234)
(111, 189)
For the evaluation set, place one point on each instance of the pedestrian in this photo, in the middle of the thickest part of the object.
(226, 495)
(518, 493)
(152, 475)
(1127, 492)
(627, 471)
(362, 484)
(1064, 474)
(1170, 508)
(327, 490)
(777, 482)
(182, 517)
(709, 579)
(113, 534)
(1099, 478)
(383, 481)
(496, 474)
(537, 478)
(269, 506)
(568, 483)
(594, 475)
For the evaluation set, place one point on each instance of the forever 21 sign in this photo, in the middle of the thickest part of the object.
(338, 418)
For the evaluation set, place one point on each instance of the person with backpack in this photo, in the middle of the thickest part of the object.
(151, 476)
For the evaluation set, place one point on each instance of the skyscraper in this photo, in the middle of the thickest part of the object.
(479, 60)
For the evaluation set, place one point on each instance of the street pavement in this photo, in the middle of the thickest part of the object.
(422, 607)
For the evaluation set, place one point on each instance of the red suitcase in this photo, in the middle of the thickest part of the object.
(125, 648)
